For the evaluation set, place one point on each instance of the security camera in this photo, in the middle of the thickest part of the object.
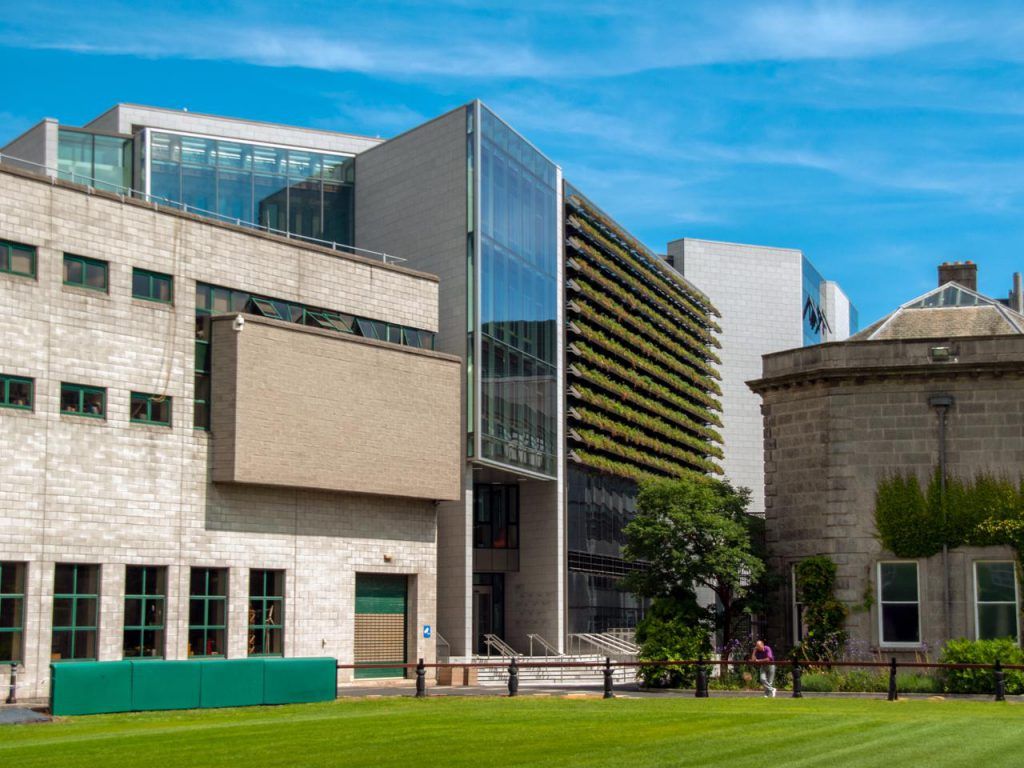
(239, 323)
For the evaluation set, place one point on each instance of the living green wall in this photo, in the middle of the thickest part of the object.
(642, 379)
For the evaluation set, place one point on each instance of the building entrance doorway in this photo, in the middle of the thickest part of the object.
(488, 608)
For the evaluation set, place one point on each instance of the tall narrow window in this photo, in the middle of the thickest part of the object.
(144, 596)
(16, 392)
(900, 611)
(151, 409)
(17, 259)
(995, 605)
(266, 613)
(85, 273)
(208, 612)
(76, 592)
(152, 286)
(81, 400)
(12, 611)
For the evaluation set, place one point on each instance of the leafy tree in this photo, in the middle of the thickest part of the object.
(672, 630)
(690, 532)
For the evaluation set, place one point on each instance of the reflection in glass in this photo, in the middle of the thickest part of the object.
(518, 295)
(294, 191)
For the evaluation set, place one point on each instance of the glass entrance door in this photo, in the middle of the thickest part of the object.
(483, 614)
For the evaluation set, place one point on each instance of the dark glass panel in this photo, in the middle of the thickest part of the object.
(85, 644)
(140, 283)
(63, 611)
(133, 574)
(86, 615)
(63, 579)
(96, 275)
(900, 623)
(12, 579)
(199, 188)
(218, 584)
(92, 403)
(88, 579)
(60, 647)
(996, 621)
(22, 261)
(132, 612)
(196, 613)
(899, 582)
(73, 271)
(234, 195)
(996, 582)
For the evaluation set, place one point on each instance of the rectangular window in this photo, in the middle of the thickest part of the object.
(266, 613)
(495, 516)
(151, 409)
(85, 273)
(995, 600)
(12, 611)
(208, 612)
(76, 594)
(152, 286)
(900, 610)
(81, 400)
(144, 597)
(16, 392)
(17, 259)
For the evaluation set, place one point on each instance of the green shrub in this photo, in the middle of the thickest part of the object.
(823, 614)
(915, 682)
(981, 652)
(863, 681)
(820, 682)
(670, 632)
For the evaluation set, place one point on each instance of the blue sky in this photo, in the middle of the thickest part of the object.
(880, 138)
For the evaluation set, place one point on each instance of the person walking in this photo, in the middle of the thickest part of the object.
(765, 672)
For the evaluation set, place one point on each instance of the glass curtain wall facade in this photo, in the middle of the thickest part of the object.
(815, 323)
(289, 190)
(96, 160)
(517, 293)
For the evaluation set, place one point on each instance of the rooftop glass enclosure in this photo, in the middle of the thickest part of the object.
(288, 190)
(94, 159)
(516, 244)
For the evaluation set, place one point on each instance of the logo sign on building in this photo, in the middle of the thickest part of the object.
(426, 631)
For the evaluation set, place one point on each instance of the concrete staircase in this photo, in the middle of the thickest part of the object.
(591, 676)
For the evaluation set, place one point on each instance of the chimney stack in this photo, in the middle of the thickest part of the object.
(965, 273)
(1017, 294)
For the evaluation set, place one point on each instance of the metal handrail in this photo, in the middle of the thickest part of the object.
(605, 643)
(502, 648)
(548, 647)
(128, 192)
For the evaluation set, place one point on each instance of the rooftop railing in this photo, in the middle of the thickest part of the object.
(124, 193)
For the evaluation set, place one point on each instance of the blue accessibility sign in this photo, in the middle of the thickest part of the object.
(426, 631)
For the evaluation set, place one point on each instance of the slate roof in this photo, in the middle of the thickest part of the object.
(949, 310)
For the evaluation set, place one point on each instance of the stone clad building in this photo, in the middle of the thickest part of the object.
(132, 529)
(939, 379)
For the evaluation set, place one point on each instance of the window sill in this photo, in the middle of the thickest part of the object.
(82, 290)
(83, 417)
(17, 408)
(152, 303)
(155, 425)
(19, 276)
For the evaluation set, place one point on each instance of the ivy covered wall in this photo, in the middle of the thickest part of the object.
(642, 383)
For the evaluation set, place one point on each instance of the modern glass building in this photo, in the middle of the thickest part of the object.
(517, 294)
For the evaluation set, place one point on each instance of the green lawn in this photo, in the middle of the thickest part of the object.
(533, 731)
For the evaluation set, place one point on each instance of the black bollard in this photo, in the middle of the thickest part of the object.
(893, 695)
(513, 678)
(12, 697)
(798, 689)
(1000, 682)
(608, 678)
(421, 680)
(702, 682)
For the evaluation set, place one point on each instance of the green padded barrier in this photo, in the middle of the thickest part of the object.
(292, 681)
(165, 684)
(231, 683)
(90, 687)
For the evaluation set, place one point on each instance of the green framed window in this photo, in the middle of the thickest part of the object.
(82, 400)
(899, 614)
(12, 612)
(17, 259)
(144, 598)
(76, 597)
(266, 613)
(85, 273)
(16, 392)
(147, 408)
(995, 600)
(208, 612)
(152, 286)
